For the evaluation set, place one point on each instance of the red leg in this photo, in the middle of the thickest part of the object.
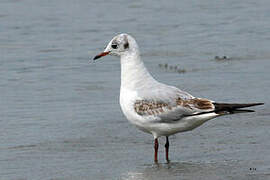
(167, 149)
(156, 150)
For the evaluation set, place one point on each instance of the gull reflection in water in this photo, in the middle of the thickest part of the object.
(186, 170)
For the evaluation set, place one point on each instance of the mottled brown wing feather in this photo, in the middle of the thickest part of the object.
(148, 107)
(198, 103)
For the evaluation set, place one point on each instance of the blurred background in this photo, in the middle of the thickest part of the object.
(59, 112)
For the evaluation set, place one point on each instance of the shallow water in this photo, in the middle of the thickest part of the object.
(60, 116)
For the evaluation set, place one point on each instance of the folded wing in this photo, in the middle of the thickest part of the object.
(173, 104)
(171, 111)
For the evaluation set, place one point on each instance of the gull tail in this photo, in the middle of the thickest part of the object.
(221, 108)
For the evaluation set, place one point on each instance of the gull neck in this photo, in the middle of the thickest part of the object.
(134, 74)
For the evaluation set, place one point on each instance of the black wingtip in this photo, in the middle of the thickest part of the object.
(231, 108)
(242, 111)
(259, 104)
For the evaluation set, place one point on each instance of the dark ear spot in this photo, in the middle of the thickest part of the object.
(126, 45)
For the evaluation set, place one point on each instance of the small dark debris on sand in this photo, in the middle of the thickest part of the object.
(172, 68)
(222, 58)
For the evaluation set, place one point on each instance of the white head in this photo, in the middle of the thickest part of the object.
(120, 45)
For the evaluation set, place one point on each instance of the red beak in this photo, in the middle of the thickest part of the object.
(101, 54)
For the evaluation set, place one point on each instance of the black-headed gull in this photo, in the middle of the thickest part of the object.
(157, 108)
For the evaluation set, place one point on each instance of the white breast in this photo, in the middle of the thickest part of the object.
(127, 100)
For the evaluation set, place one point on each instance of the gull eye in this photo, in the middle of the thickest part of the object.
(114, 46)
(126, 45)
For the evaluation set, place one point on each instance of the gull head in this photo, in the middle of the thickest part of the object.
(120, 45)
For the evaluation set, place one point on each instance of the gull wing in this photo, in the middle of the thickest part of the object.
(169, 104)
